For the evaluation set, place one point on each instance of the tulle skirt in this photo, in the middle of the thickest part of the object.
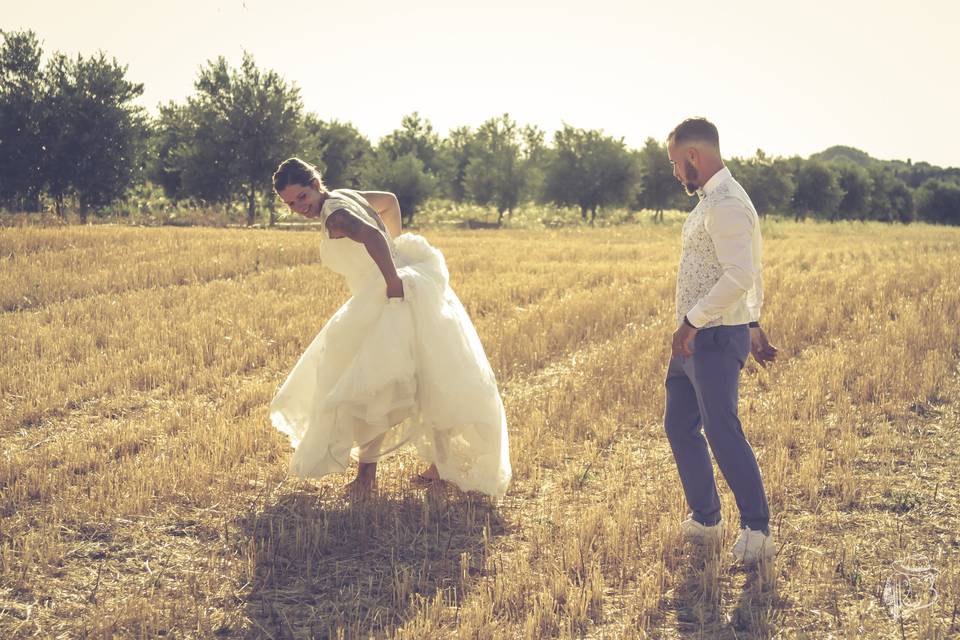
(383, 373)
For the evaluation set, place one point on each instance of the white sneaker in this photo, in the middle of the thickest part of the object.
(752, 546)
(693, 531)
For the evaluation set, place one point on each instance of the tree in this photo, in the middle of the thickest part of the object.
(939, 202)
(768, 181)
(589, 170)
(236, 129)
(901, 202)
(21, 115)
(110, 130)
(415, 137)
(818, 190)
(891, 198)
(343, 153)
(855, 182)
(536, 158)
(92, 132)
(458, 149)
(658, 186)
(406, 177)
(265, 114)
(497, 172)
(169, 140)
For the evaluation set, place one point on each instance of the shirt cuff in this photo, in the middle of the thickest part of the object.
(696, 317)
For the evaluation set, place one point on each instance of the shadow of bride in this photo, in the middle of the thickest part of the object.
(326, 567)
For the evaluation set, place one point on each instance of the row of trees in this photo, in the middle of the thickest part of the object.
(69, 130)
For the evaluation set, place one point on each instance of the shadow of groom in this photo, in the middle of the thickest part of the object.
(758, 602)
(699, 598)
(329, 568)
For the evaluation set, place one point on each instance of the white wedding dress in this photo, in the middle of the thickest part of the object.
(384, 373)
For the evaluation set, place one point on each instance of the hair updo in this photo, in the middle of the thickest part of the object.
(296, 171)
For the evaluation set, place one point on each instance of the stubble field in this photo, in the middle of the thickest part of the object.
(143, 492)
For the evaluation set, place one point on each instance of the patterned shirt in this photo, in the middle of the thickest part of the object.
(720, 276)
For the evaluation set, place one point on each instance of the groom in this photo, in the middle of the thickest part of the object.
(719, 294)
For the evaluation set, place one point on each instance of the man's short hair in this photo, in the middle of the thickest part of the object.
(695, 129)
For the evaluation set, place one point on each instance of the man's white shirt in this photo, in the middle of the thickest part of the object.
(720, 276)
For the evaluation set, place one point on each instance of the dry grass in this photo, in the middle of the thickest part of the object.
(143, 492)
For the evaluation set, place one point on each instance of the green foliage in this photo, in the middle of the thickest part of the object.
(857, 186)
(343, 153)
(915, 174)
(92, 133)
(768, 181)
(21, 116)
(69, 132)
(939, 201)
(891, 199)
(536, 160)
(266, 114)
(589, 170)
(497, 173)
(658, 187)
(406, 177)
(170, 138)
(69, 128)
(818, 190)
(457, 149)
(415, 137)
(841, 152)
(232, 133)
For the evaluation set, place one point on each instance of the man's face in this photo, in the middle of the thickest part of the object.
(683, 169)
(303, 199)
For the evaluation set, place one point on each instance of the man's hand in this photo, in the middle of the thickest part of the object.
(683, 341)
(763, 352)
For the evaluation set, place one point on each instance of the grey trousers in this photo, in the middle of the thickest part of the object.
(703, 391)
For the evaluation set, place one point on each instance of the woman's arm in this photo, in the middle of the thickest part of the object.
(343, 224)
(387, 205)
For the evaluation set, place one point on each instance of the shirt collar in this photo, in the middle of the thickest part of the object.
(715, 181)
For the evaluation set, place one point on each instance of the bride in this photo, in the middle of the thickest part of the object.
(399, 363)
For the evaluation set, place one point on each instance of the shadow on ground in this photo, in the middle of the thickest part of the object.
(326, 567)
(699, 599)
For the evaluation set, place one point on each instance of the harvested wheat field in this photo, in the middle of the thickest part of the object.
(143, 491)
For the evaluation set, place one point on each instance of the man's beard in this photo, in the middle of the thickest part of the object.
(692, 174)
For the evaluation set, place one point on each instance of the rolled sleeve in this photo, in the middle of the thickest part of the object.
(731, 227)
(755, 297)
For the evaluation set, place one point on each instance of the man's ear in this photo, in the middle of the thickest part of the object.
(693, 155)
(315, 183)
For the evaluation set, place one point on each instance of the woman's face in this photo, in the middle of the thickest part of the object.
(303, 199)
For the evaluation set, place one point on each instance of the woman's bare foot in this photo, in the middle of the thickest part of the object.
(365, 483)
(428, 476)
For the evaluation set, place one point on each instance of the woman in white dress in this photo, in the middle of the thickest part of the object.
(399, 363)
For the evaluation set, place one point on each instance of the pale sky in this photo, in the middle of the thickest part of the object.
(790, 78)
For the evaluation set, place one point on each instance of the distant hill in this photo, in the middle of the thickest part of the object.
(837, 152)
(913, 173)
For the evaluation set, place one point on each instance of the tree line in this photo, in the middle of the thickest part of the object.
(71, 135)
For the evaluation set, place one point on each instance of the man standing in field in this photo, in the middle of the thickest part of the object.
(719, 294)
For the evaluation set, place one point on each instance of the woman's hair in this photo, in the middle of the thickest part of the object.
(295, 171)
